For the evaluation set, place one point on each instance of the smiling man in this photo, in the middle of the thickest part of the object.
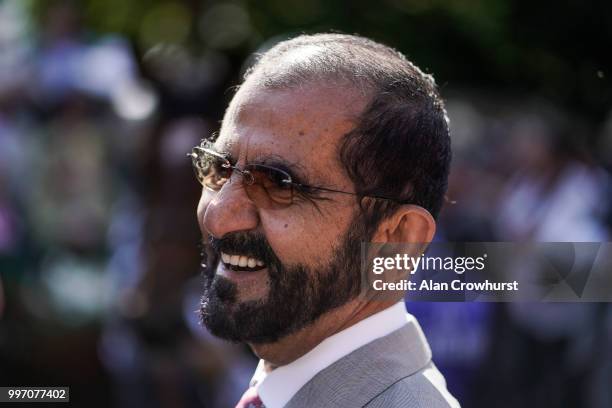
(331, 141)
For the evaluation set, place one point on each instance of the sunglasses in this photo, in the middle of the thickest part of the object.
(267, 187)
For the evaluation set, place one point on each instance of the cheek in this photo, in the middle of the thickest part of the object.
(305, 239)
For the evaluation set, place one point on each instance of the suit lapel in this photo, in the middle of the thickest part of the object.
(357, 378)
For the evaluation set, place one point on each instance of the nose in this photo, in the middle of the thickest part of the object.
(228, 210)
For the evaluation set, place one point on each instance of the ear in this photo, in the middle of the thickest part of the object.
(409, 224)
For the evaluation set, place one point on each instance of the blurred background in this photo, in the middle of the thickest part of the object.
(101, 99)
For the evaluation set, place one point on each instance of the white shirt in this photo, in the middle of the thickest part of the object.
(276, 388)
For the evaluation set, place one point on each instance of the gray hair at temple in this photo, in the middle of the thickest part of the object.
(400, 146)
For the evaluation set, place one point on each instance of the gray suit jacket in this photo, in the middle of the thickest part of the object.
(394, 371)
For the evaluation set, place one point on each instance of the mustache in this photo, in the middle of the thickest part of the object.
(253, 244)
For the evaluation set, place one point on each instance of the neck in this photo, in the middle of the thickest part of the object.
(295, 345)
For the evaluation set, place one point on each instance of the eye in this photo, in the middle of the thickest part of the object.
(279, 178)
(271, 178)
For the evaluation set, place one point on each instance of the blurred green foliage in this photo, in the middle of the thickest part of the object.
(557, 50)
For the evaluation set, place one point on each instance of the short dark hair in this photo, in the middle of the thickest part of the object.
(400, 146)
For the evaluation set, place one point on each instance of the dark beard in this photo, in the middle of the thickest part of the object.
(297, 295)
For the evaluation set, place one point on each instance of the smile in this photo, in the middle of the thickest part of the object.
(241, 262)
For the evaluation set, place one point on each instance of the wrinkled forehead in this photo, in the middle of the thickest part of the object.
(302, 126)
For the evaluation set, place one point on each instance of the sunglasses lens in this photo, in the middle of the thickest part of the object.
(267, 187)
(210, 170)
(271, 188)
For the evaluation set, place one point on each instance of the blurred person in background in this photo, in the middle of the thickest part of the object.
(95, 287)
(548, 354)
(331, 141)
(556, 192)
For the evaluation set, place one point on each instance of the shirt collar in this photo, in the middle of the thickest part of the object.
(276, 388)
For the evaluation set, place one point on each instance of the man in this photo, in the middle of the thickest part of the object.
(332, 140)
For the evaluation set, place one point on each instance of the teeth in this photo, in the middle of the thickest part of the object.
(240, 260)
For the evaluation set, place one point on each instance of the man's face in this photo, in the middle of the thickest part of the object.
(310, 249)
